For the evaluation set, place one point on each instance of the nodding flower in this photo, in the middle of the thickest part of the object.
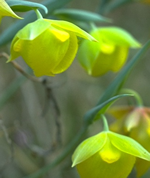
(109, 54)
(48, 46)
(107, 155)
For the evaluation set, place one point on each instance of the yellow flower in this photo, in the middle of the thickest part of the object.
(109, 54)
(107, 155)
(5, 10)
(134, 122)
(47, 46)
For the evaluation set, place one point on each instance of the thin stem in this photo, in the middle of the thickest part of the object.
(39, 15)
(106, 128)
(135, 94)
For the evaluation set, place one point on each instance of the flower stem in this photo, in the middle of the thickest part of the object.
(39, 15)
(136, 96)
(106, 128)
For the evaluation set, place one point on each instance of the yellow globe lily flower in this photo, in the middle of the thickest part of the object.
(134, 122)
(47, 46)
(5, 10)
(109, 54)
(107, 155)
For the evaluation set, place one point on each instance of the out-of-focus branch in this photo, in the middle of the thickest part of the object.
(20, 69)
(51, 97)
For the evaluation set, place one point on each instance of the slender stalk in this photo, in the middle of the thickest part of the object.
(39, 15)
(137, 97)
(106, 128)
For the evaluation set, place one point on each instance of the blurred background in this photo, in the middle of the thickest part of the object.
(38, 120)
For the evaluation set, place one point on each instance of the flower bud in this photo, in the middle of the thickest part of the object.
(47, 46)
(107, 155)
(109, 54)
(5, 10)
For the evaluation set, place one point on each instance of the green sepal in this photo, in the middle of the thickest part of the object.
(72, 28)
(23, 6)
(80, 15)
(38, 27)
(118, 36)
(88, 148)
(129, 146)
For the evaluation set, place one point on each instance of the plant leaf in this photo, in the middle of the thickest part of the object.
(80, 15)
(94, 113)
(23, 6)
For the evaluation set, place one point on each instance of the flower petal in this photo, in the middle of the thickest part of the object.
(88, 148)
(118, 36)
(128, 145)
(69, 56)
(72, 28)
(95, 167)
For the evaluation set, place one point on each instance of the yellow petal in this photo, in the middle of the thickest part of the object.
(69, 56)
(60, 34)
(95, 167)
(109, 153)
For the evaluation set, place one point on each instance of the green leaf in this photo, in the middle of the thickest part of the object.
(80, 15)
(94, 113)
(10, 32)
(23, 6)
(129, 146)
(114, 5)
(88, 148)
(118, 81)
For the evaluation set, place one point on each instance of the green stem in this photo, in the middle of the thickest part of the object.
(106, 128)
(135, 94)
(39, 15)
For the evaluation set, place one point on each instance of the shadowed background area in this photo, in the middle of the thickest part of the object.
(39, 119)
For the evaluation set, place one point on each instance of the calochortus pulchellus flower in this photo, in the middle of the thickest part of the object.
(5, 10)
(47, 46)
(107, 155)
(109, 54)
(134, 122)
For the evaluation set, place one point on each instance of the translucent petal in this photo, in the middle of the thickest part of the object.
(69, 56)
(88, 148)
(109, 153)
(60, 34)
(128, 145)
(110, 62)
(95, 167)
(72, 28)
(5, 10)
